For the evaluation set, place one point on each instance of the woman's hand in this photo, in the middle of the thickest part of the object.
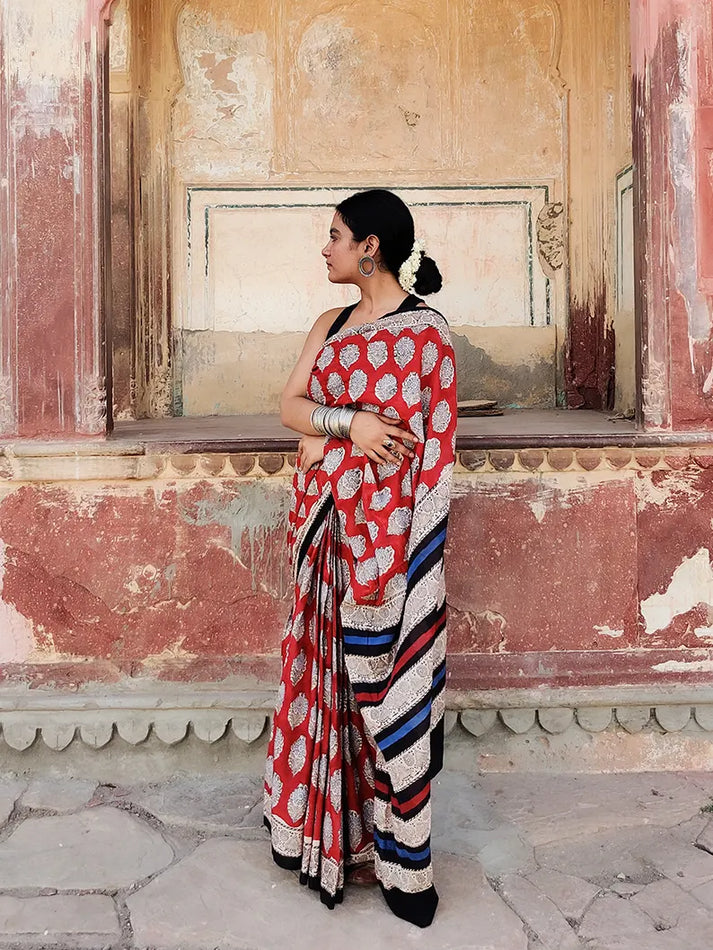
(310, 451)
(381, 438)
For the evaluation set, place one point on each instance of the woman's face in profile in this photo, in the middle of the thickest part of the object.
(341, 253)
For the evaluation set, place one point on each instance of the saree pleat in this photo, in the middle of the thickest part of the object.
(357, 734)
(319, 779)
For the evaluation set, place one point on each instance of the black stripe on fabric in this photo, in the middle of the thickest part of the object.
(366, 649)
(382, 778)
(408, 814)
(432, 534)
(425, 566)
(418, 908)
(313, 528)
(329, 900)
(403, 813)
(439, 674)
(436, 619)
(414, 788)
(392, 632)
(438, 738)
(295, 864)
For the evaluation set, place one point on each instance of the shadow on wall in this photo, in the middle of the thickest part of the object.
(514, 385)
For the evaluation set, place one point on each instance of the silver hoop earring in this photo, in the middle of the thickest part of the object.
(362, 261)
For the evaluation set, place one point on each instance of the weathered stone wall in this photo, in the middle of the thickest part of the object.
(565, 567)
(524, 107)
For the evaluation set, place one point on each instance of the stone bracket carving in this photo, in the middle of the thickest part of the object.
(550, 236)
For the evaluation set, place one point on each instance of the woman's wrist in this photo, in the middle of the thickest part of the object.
(333, 421)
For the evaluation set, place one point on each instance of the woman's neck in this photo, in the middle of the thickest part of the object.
(380, 294)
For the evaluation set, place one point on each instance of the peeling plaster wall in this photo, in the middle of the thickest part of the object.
(405, 94)
(672, 45)
(563, 568)
(52, 378)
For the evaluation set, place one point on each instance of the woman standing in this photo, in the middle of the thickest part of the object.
(358, 730)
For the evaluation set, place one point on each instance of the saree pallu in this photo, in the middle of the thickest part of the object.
(357, 734)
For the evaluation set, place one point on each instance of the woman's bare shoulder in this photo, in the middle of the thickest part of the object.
(320, 328)
(329, 316)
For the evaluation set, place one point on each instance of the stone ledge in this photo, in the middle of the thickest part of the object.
(209, 713)
(64, 462)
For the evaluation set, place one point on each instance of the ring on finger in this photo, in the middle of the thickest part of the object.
(388, 444)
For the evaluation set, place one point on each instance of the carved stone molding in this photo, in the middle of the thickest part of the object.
(53, 462)
(590, 719)
(210, 713)
(133, 715)
(655, 398)
(550, 235)
(7, 403)
(91, 408)
(562, 459)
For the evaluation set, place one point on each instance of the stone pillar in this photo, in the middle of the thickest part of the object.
(53, 257)
(672, 65)
(157, 78)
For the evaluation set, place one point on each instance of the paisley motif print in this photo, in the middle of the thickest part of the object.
(364, 648)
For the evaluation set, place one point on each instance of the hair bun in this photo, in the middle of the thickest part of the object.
(428, 277)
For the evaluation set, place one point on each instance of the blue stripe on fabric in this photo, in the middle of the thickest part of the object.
(439, 539)
(437, 679)
(389, 845)
(361, 641)
(407, 727)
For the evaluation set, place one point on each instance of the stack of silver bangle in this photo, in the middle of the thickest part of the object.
(332, 420)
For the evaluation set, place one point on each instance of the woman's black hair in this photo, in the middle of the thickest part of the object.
(385, 215)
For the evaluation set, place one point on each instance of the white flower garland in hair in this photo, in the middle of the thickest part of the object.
(407, 271)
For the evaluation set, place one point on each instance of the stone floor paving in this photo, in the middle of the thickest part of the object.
(522, 862)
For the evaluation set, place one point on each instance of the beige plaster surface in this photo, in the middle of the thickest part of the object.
(245, 373)
(235, 94)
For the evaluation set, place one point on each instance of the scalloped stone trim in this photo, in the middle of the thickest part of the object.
(57, 720)
(133, 464)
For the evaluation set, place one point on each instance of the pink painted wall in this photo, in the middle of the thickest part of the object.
(52, 357)
(574, 573)
(672, 61)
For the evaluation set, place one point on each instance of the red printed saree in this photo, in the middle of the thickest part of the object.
(358, 730)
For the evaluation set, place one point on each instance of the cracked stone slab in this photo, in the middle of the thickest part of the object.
(571, 895)
(216, 805)
(230, 895)
(61, 919)
(606, 858)
(10, 791)
(546, 808)
(465, 823)
(704, 841)
(695, 933)
(57, 794)
(99, 848)
(539, 913)
(681, 862)
(617, 917)
(666, 904)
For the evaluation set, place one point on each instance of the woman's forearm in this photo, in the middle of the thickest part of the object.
(295, 412)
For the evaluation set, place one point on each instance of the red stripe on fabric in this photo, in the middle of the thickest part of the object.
(412, 802)
(403, 660)
(381, 787)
